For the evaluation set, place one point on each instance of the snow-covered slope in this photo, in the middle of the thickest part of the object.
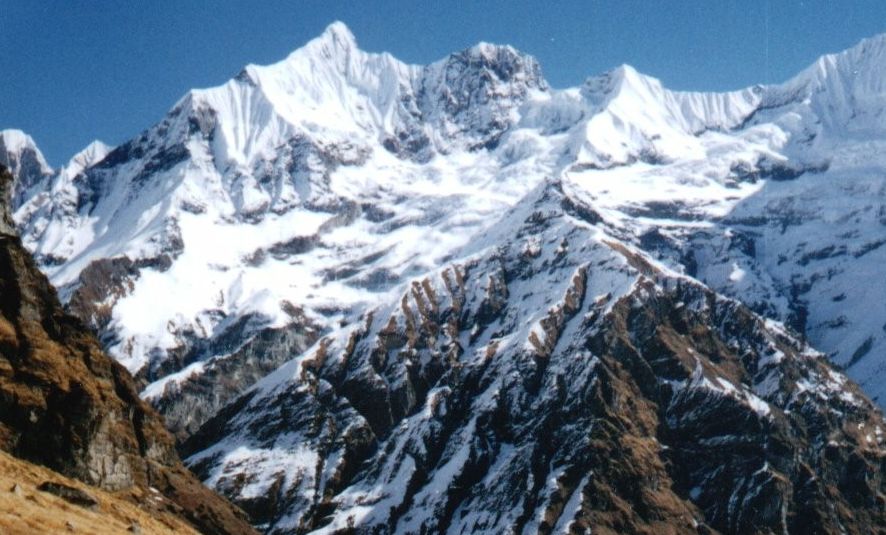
(632, 117)
(553, 379)
(344, 209)
(252, 167)
(298, 193)
(794, 227)
(49, 208)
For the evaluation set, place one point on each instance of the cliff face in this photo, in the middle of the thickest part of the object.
(65, 405)
(7, 225)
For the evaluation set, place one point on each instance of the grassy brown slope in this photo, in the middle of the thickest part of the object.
(28, 511)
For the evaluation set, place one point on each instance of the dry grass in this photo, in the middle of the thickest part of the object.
(30, 511)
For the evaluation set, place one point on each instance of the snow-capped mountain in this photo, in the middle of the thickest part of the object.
(309, 187)
(342, 214)
(305, 189)
(805, 245)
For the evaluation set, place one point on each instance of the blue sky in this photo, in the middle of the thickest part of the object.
(76, 71)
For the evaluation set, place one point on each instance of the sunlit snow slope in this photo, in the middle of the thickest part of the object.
(297, 194)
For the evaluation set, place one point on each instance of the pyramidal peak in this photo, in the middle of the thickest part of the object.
(336, 47)
(19, 153)
(601, 88)
(90, 155)
(338, 34)
(336, 44)
(644, 95)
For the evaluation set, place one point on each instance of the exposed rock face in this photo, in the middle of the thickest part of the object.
(555, 381)
(25, 162)
(65, 405)
(472, 94)
(189, 401)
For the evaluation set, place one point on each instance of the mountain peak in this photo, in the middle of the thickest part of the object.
(19, 153)
(618, 79)
(92, 154)
(491, 51)
(504, 61)
(625, 70)
(337, 38)
(622, 82)
(338, 31)
(846, 90)
(14, 141)
(486, 52)
(861, 62)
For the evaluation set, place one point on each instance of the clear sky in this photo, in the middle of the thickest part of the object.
(72, 71)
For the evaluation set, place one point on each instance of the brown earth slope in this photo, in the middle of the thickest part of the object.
(67, 406)
(25, 509)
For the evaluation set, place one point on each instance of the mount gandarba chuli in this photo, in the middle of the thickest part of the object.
(387, 298)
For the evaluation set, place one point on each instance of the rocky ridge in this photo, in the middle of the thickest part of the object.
(556, 380)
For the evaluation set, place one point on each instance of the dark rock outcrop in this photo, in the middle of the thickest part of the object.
(69, 494)
(189, 403)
